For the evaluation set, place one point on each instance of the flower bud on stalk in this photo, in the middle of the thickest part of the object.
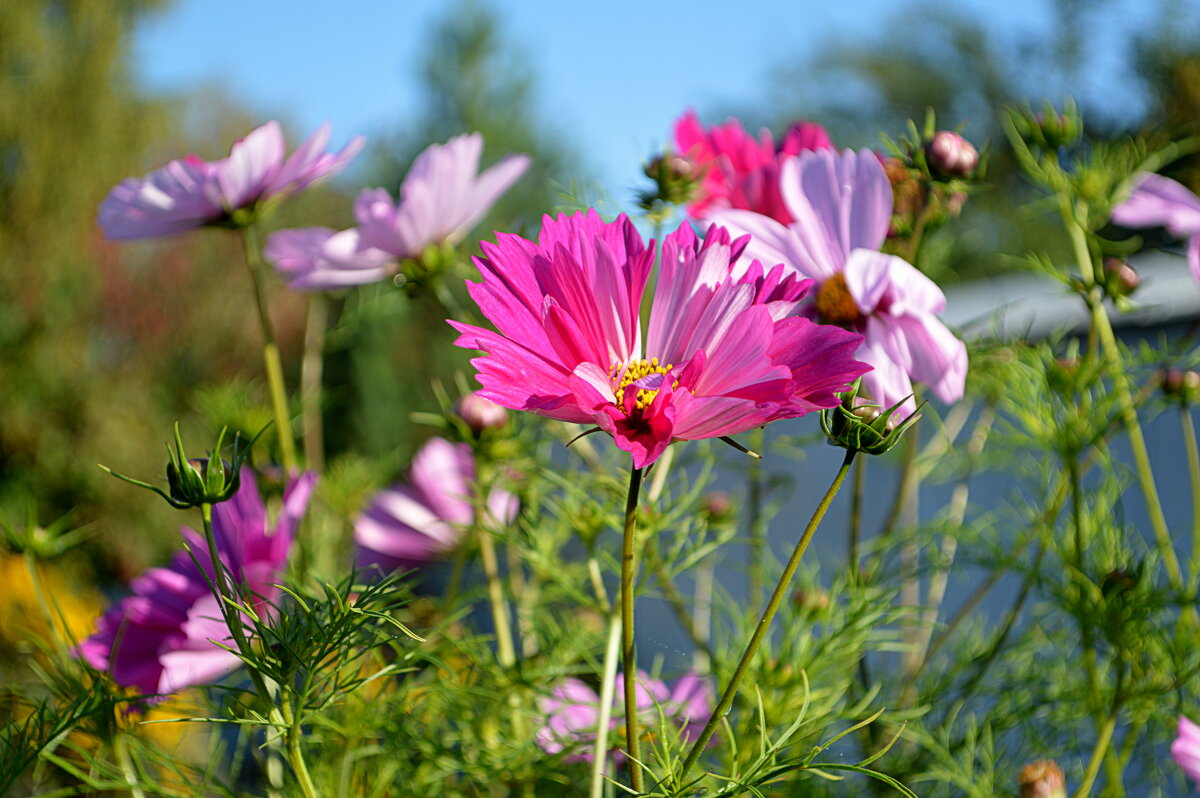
(1120, 279)
(192, 482)
(1179, 384)
(864, 427)
(1042, 779)
(950, 155)
(675, 178)
(718, 505)
(479, 413)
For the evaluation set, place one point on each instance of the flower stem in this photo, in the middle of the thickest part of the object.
(628, 658)
(491, 571)
(1193, 461)
(271, 362)
(293, 736)
(121, 751)
(764, 623)
(311, 369)
(607, 689)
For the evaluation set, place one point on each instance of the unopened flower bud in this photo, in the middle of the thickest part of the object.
(1057, 130)
(675, 177)
(480, 413)
(1180, 384)
(719, 505)
(864, 427)
(810, 601)
(1042, 779)
(1119, 277)
(950, 155)
(1060, 374)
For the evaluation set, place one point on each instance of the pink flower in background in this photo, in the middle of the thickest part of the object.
(572, 711)
(725, 351)
(191, 192)
(443, 196)
(1186, 748)
(842, 205)
(739, 171)
(1159, 201)
(160, 639)
(413, 522)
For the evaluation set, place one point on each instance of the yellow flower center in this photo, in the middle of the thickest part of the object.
(637, 370)
(835, 304)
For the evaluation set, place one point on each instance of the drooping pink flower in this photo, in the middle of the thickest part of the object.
(161, 639)
(724, 351)
(443, 196)
(1186, 748)
(572, 711)
(842, 205)
(413, 522)
(192, 192)
(1159, 201)
(739, 171)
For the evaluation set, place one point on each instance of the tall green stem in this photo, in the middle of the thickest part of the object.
(628, 655)
(1102, 326)
(1193, 461)
(312, 366)
(608, 683)
(764, 623)
(271, 362)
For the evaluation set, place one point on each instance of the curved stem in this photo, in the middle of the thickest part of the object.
(628, 656)
(764, 623)
(121, 751)
(1193, 461)
(271, 362)
(295, 754)
(608, 683)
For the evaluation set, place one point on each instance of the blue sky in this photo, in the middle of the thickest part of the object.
(611, 76)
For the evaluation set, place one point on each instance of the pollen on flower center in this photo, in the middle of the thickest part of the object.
(835, 304)
(640, 375)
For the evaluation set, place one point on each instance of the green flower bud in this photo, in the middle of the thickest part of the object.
(864, 427)
(192, 482)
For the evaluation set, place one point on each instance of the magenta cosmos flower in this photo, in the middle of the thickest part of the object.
(842, 205)
(1186, 748)
(572, 711)
(739, 171)
(443, 196)
(1159, 201)
(191, 192)
(161, 639)
(413, 522)
(723, 352)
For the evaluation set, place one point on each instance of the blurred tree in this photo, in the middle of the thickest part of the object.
(474, 81)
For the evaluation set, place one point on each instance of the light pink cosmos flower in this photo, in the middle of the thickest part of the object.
(191, 192)
(1186, 748)
(413, 522)
(1159, 201)
(161, 639)
(739, 171)
(842, 204)
(572, 711)
(443, 196)
(724, 352)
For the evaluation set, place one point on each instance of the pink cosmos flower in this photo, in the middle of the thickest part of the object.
(1186, 748)
(724, 351)
(191, 192)
(572, 711)
(739, 171)
(443, 196)
(842, 205)
(161, 639)
(412, 523)
(1159, 201)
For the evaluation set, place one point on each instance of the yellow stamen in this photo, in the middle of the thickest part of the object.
(635, 371)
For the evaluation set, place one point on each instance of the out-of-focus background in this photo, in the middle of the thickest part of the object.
(104, 345)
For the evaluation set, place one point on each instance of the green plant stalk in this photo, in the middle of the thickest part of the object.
(764, 623)
(271, 362)
(491, 572)
(628, 654)
(1193, 461)
(757, 523)
(293, 736)
(608, 686)
(312, 366)
(1112, 353)
(1103, 740)
(121, 751)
